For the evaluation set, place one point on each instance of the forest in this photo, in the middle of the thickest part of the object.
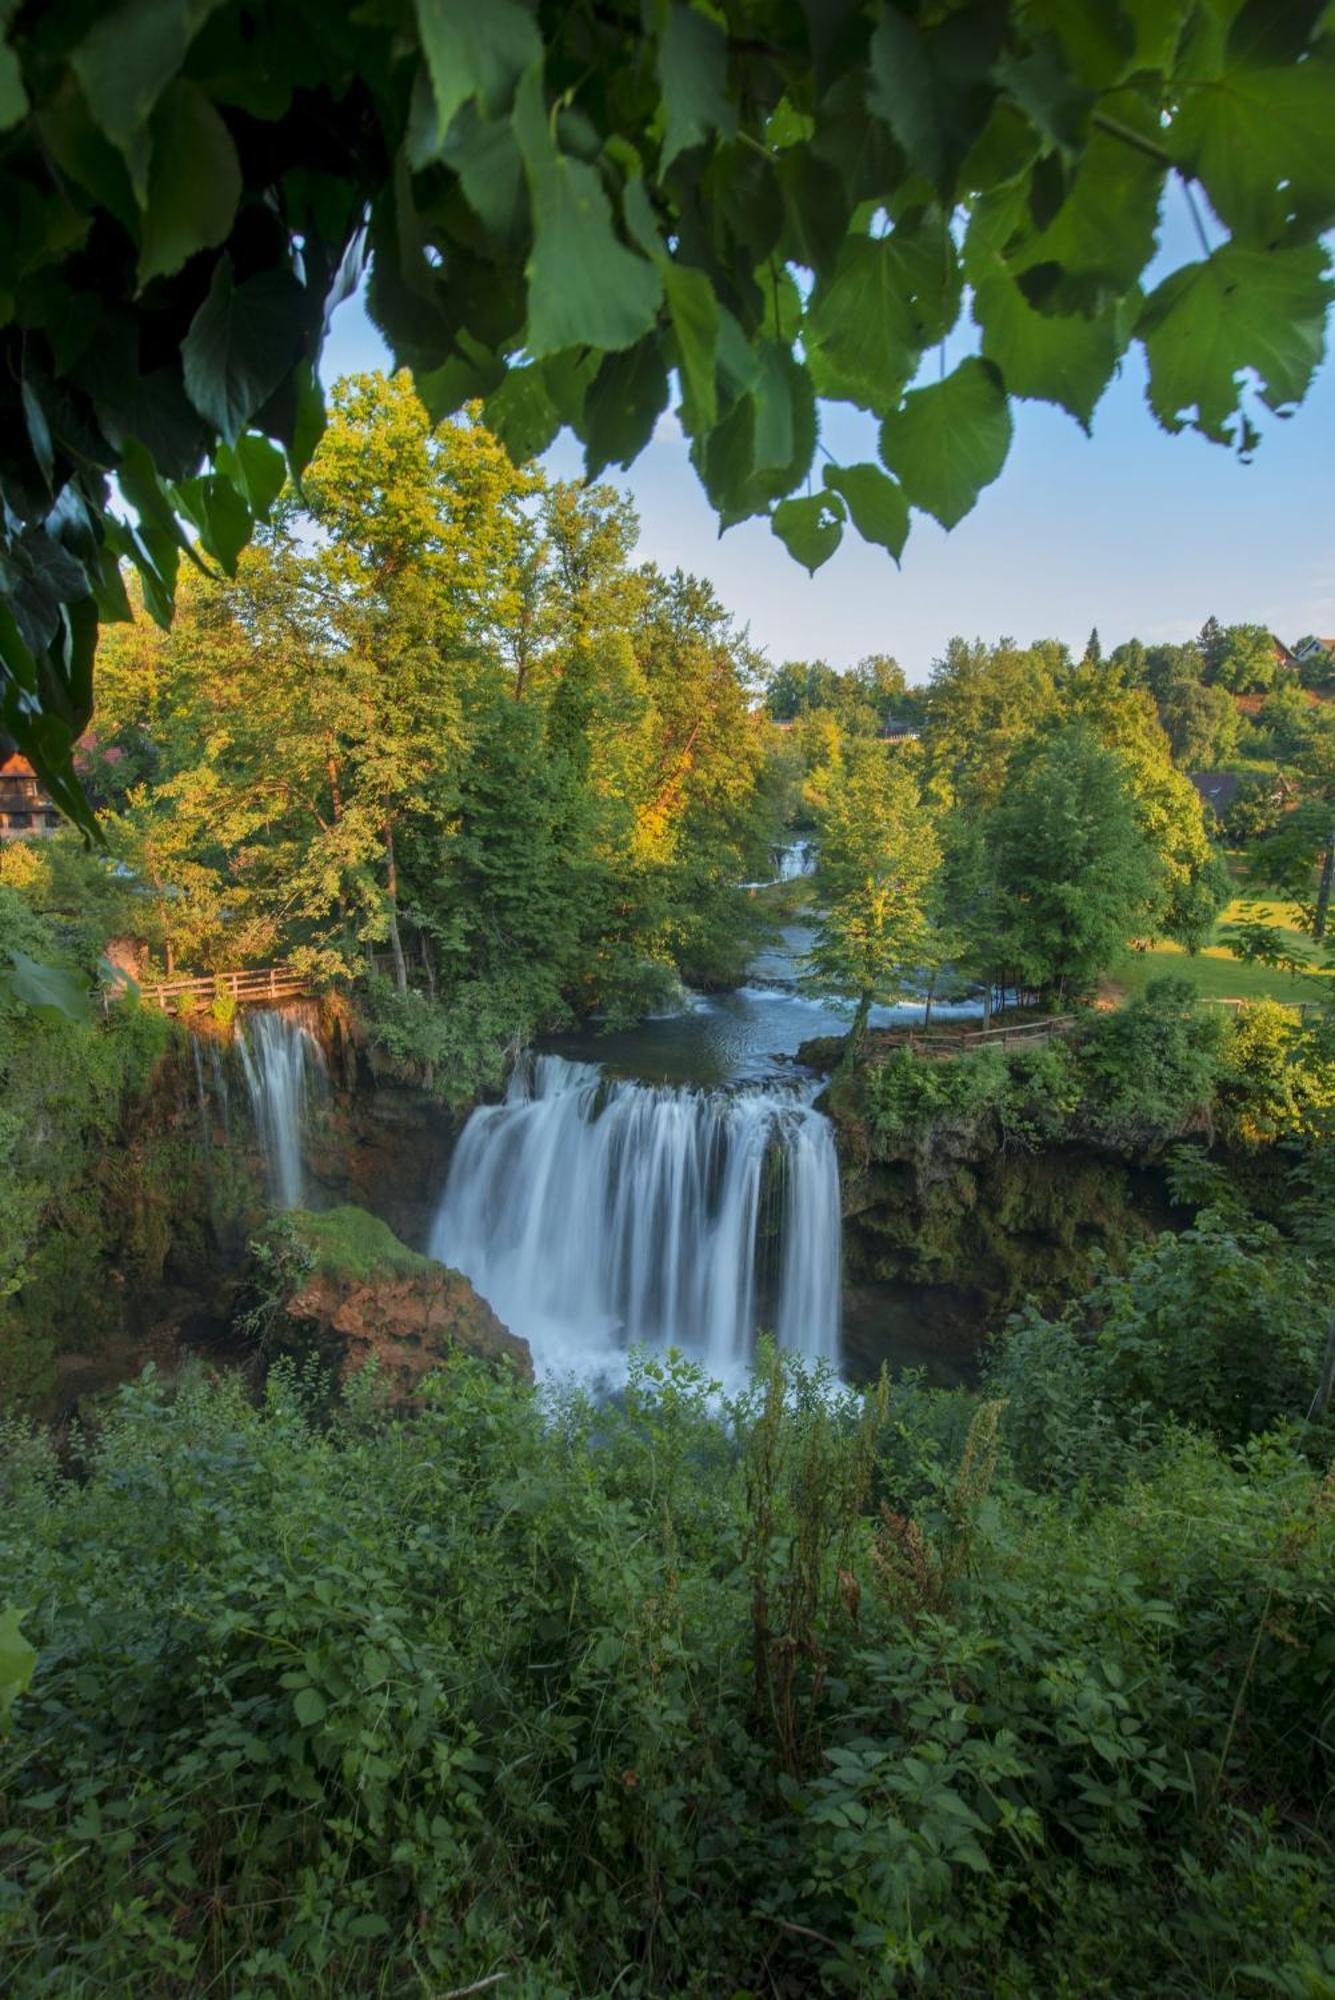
(667, 1315)
(1021, 1685)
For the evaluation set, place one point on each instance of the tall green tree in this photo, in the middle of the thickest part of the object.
(1299, 856)
(1244, 659)
(879, 863)
(1073, 875)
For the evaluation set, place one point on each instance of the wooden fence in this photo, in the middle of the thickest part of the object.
(953, 1041)
(271, 982)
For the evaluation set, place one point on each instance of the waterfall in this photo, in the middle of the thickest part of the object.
(284, 1071)
(593, 1213)
(799, 858)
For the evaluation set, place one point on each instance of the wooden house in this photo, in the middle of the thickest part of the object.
(25, 809)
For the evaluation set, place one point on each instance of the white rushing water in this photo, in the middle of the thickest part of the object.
(284, 1070)
(798, 858)
(593, 1213)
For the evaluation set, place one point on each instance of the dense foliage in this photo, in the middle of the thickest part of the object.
(581, 212)
(88, 1185)
(790, 1697)
(444, 736)
(1134, 1078)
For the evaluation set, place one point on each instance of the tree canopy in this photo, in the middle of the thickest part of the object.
(579, 214)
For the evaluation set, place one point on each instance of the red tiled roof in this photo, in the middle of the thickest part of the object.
(14, 766)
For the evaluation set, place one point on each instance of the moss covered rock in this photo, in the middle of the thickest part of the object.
(340, 1283)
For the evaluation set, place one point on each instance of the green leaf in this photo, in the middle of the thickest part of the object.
(1053, 357)
(367, 1925)
(309, 423)
(811, 528)
(125, 62)
(623, 403)
(1044, 88)
(1097, 42)
(1263, 143)
(146, 492)
(933, 86)
(220, 514)
(1263, 310)
(693, 76)
(54, 993)
(585, 288)
(491, 173)
(13, 97)
(877, 505)
(310, 1706)
(521, 413)
(475, 49)
(17, 1658)
(39, 432)
(888, 299)
(1105, 228)
(194, 182)
(257, 469)
(694, 313)
(774, 437)
(950, 440)
(472, 372)
(241, 344)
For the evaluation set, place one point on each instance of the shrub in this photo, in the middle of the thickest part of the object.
(1218, 1327)
(796, 1694)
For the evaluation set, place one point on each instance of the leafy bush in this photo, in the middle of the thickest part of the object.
(1148, 1067)
(75, 1195)
(798, 1695)
(1218, 1327)
(1278, 1080)
(1130, 1079)
(458, 1046)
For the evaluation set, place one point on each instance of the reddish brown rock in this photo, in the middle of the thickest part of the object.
(407, 1312)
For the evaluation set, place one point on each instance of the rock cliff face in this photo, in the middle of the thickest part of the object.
(351, 1291)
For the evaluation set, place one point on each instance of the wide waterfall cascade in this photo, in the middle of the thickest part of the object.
(284, 1068)
(593, 1213)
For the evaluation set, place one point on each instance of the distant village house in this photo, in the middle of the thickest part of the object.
(25, 809)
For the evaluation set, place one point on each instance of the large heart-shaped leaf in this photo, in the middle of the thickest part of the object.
(241, 344)
(950, 440)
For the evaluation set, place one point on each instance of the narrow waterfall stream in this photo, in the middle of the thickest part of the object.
(593, 1213)
(284, 1069)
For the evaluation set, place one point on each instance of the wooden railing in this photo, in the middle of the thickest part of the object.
(270, 982)
(952, 1041)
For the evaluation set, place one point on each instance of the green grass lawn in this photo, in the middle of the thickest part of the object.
(1215, 971)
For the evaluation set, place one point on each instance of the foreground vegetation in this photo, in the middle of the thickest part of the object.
(787, 1696)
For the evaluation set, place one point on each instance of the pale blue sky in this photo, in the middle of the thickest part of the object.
(1130, 530)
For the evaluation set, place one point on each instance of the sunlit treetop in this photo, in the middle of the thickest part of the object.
(582, 213)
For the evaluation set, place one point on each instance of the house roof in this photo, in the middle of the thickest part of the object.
(14, 766)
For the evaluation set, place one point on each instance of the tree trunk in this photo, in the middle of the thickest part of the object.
(392, 888)
(1324, 888)
(427, 966)
(987, 1001)
(931, 995)
(857, 1034)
